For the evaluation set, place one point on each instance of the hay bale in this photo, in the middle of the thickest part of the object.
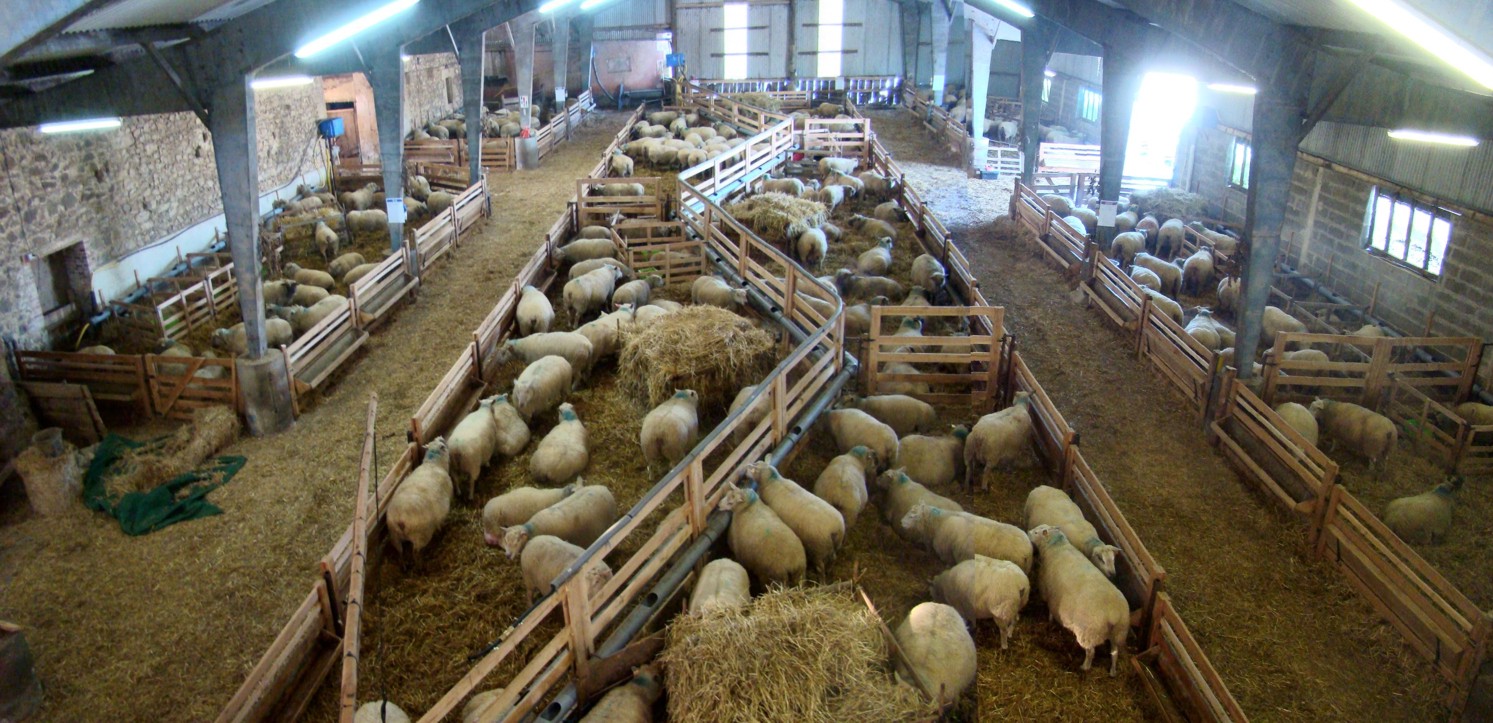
(1169, 203)
(152, 465)
(53, 481)
(799, 654)
(770, 214)
(704, 348)
(759, 100)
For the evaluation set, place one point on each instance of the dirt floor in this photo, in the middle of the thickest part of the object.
(1290, 638)
(164, 627)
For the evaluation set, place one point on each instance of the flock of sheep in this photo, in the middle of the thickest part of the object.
(501, 123)
(1001, 127)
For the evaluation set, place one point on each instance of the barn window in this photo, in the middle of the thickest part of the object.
(1088, 104)
(1408, 231)
(831, 37)
(735, 51)
(1240, 155)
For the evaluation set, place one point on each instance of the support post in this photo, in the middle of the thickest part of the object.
(263, 379)
(522, 30)
(982, 30)
(559, 53)
(941, 22)
(1122, 78)
(912, 34)
(1037, 41)
(386, 75)
(790, 63)
(584, 25)
(472, 52)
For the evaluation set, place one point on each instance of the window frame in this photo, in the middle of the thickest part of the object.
(1239, 177)
(826, 30)
(730, 33)
(1084, 106)
(1399, 202)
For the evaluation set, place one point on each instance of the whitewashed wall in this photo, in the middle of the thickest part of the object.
(873, 30)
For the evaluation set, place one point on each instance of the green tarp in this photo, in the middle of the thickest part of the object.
(177, 500)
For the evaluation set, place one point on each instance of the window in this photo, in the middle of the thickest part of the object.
(1240, 155)
(450, 91)
(1088, 105)
(1046, 89)
(735, 52)
(831, 37)
(1413, 233)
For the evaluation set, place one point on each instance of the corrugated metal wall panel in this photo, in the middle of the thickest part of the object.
(772, 39)
(1460, 176)
(877, 39)
(699, 45)
(632, 12)
(1084, 67)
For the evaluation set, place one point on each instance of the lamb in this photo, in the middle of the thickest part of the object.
(889, 212)
(842, 166)
(584, 249)
(1197, 271)
(590, 293)
(1228, 294)
(928, 273)
(1170, 275)
(904, 414)
(811, 248)
(873, 227)
(712, 291)
(761, 541)
(933, 461)
(535, 313)
(341, 265)
(752, 418)
(420, 504)
(1163, 303)
(671, 429)
(277, 332)
(819, 526)
(278, 293)
(636, 292)
(621, 165)
(472, 444)
(326, 240)
(562, 455)
(1275, 322)
(842, 483)
(1299, 418)
(999, 439)
(517, 506)
(901, 495)
(630, 703)
(586, 267)
(308, 295)
(1170, 237)
(380, 711)
(856, 287)
(1368, 433)
(605, 332)
(1423, 519)
(542, 386)
(309, 277)
(1145, 278)
(984, 588)
(1051, 506)
(938, 650)
(546, 557)
(722, 585)
(787, 186)
(571, 346)
(578, 519)
(1125, 246)
(854, 428)
(1080, 597)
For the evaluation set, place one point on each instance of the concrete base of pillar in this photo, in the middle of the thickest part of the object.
(264, 385)
(528, 153)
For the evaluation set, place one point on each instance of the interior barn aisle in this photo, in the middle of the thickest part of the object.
(1290, 638)
(164, 627)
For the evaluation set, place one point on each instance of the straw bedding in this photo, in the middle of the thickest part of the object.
(1170, 203)
(771, 214)
(765, 101)
(704, 348)
(211, 429)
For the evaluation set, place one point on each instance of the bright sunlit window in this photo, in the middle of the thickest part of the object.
(1413, 233)
(1163, 107)
(1240, 155)
(831, 37)
(1088, 104)
(1046, 89)
(735, 32)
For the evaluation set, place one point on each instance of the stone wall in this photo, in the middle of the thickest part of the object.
(427, 94)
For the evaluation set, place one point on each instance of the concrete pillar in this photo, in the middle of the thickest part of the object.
(386, 75)
(941, 21)
(263, 379)
(1122, 78)
(982, 29)
(472, 53)
(1278, 111)
(583, 26)
(912, 34)
(522, 31)
(1037, 41)
(559, 54)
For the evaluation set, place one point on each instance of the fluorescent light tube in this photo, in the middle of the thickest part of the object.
(1431, 36)
(284, 81)
(1049, 74)
(353, 28)
(553, 5)
(1446, 139)
(1233, 88)
(1015, 7)
(77, 126)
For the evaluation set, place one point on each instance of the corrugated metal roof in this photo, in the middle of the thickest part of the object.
(144, 13)
(1463, 176)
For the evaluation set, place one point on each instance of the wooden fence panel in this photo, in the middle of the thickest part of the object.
(975, 358)
(1053, 434)
(1189, 675)
(117, 379)
(323, 348)
(597, 203)
(377, 293)
(176, 390)
(1272, 454)
(843, 137)
(1137, 573)
(661, 247)
(1182, 360)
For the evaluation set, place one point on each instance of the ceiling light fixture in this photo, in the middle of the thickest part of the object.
(1015, 7)
(78, 126)
(284, 81)
(552, 6)
(1432, 36)
(1445, 139)
(1049, 74)
(353, 28)
(1234, 88)
(592, 4)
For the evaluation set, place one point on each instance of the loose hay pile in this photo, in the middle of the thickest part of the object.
(760, 100)
(771, 214)
(800, 654)
(704, 348)
(147, 467)
(1169, 203)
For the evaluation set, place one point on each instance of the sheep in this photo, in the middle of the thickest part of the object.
(712, 291)
(1148, 226)
(873, 227)
(900, 494)
(326, 240)
(928, 272)
(579, 519)
(563, 454)
(542, 386)
(593, 232)
(899, 368)
(853, 185)
(517, 506)
(1276, 321)
(1125, 246)
(605, 332)
(1475, 413)
(842, 166)
(586, 267)
(877, 260)
(419, 188)
(725, 131)
(934, 461)
(750, 420)
(854, 428)
(358, 272)
(830, 196)
(1051, 506)
(1310, 355)
(937, 651)
(361, 199)
(722, 585)
(856, 287)
(440, 201)
(644, 317)
(535, 313)
(1203, 330)
(761, 541)
(380, 711)
(1170, 275)
(472, 444)
(308, 295)
(278, 293)
(1163, 303)
(1197, 271)
(984, 588)
(1080, 597)
(570, 346)
(875, 183)
(1228, 294)
(662, 117)
(420, 504)
(842, 483)
(1423, 519)
(1368, 433)
(584, 249)
(904, 414)
(858, 317)
(998, 439)
(826, 110)
(1170, 237)
(817, 523)
(811, 248)
(620, 164)
(670, 430)
(1088, 217)
(1145, 278)
(630, 703)
(831, 231)
(341, 265)
(1125, 222)
(472, 711)
(955, 536)
(277, 332)
(545, 557)
(1059, 204)
(636, 292)
(590, 293)
(787, 186)
(438, 132)
(372, 221)
(309, 277)
(303, 319)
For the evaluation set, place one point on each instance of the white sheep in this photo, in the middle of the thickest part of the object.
(589, 265)
(873, 227)
(1299, 418)
(933, 461)
(343, 264)
(999, 439)
(358, 272)
(327, 240)
(671, 429)
(904, 414)
(761, 541)
(1475, 413)
(830, 196)
(563, 453)
(853, 185)
(928, 272)
(889, 212)
(578, 519)
(750, 420)
(856, 287)
(709, 290)
(590, 293)
(571, 346)
(605, 332)
(1125, 246)
(1426, 518)
(1148, 226)
(542, 386)
(956, 536)
(1275, 321)
(854, 428)
(308, 295)
(1161, 302)
(1170, 275)
(545, 557)
(901, 494)
(1206, 331)
(939, 650)
(621, 165)
(811, 247)
(1080, 597)
(1145, 277)
(877, 260)
(1060, 205)
(1170, 237)
(472, 711)
(722, 585)
(788, 186)
(1197, 272)
(842, 483)
(1051, 506)
(380, 711)
(876, 184)
(278, 293)
(817, 523)
(303, 319)
(472, 444)
(584, 249)
(1365, 431)
(517, 506)
(984, 588)
(309, 277)
(630, 703)
(535, 313)
(422, 501)
(277, 332)
(636, 292)
(439, 201)
(842, 166)
(1228, 294)
(372, 221)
